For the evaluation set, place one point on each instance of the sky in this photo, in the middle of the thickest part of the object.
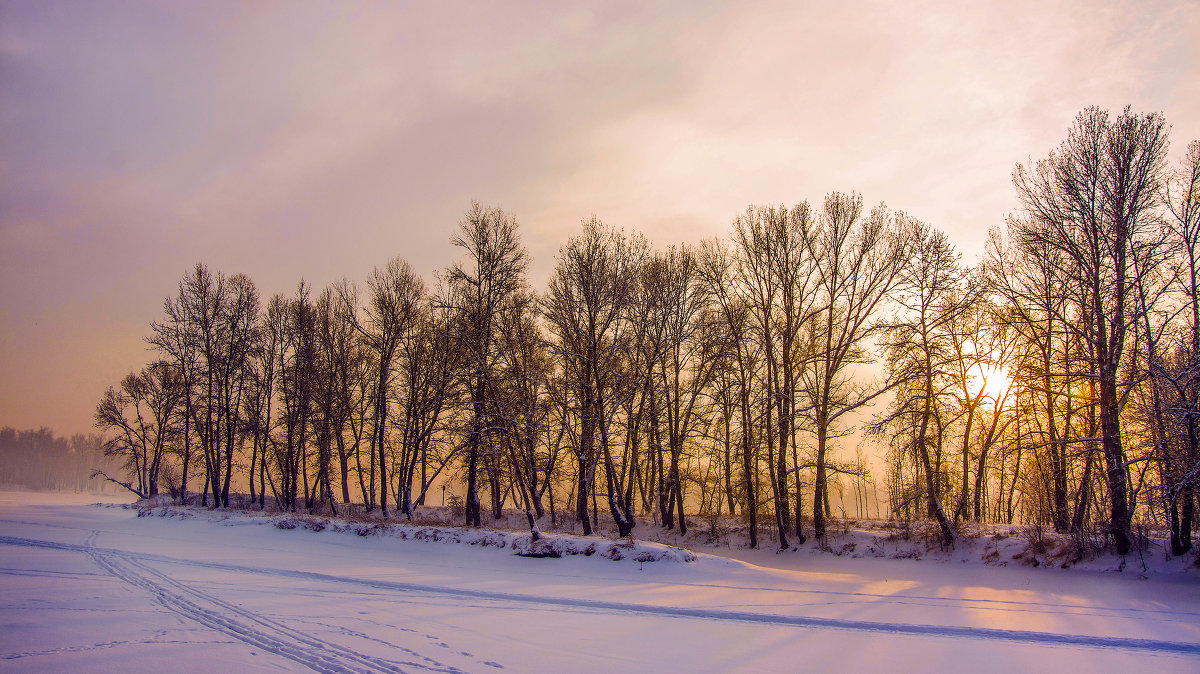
(317, 140)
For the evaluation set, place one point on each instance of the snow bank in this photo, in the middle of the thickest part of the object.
(990, 545)
(1007, 546)
(548, 545)
(986, 545)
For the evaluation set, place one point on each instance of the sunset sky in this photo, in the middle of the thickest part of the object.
(317, 140)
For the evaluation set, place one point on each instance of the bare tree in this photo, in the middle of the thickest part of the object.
(174, 338)
(717, 265)
(260, 396)
(687, 368)
(296, 358)
(348, 363)
(644, 409)
(523, 409)
(587, 306)
(1093, 200)
(238, 340)
(426, 391)
(984, 348)
(210, 330)
(1179, 375)
(919, 353)
(1037, 306)
(490, 282)
(335, 341)
(771, 246)
(144, 416)
(858, 263)
(394, 297)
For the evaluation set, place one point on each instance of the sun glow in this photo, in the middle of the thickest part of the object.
(992, 381)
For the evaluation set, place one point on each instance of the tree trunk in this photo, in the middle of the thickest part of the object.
(1114, 458)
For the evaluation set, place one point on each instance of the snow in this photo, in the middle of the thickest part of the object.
(551, 545)
(97, 588)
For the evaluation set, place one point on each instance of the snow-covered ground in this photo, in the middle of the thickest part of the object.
(98, 588)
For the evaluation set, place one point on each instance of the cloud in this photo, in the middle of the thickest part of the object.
(319, 140)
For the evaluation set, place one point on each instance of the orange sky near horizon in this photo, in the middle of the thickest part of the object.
(318, 140)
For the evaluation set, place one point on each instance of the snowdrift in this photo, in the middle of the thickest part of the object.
(548, 545)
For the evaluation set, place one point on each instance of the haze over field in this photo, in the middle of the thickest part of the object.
(318, 141)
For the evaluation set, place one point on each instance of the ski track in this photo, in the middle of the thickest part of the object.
(41, 573)
(88, 648)
(277, 638)
(234, 621)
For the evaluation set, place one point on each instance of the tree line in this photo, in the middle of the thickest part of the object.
(40, 460)
(1055, 381)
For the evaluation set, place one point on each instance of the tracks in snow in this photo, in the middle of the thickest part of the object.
(123, 562)
(236, 622)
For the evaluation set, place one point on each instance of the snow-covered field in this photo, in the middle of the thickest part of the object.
(96, 588)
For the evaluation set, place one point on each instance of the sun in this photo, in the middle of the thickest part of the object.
(992, 381)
